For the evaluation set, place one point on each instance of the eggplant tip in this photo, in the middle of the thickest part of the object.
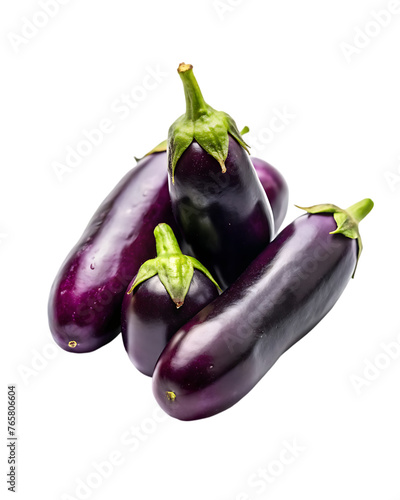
(72, 343)
(170, 395)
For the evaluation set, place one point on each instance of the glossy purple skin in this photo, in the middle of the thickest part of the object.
(224, 217)
(86, 296)
(150, 317)
(275, 187)
(221, 354)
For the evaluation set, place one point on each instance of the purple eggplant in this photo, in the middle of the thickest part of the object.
(221, 353)
(86, 297)
(272, 181)
(217, 199)
(167, 292)
(275, 187)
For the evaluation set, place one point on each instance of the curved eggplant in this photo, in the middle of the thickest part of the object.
(275, 187)
(219, 355)
(217, 199)
(86, 297)
(167, 292)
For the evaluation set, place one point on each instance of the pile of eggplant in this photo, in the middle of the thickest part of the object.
(185, 259)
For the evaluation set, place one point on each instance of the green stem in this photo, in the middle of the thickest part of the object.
(195, 103)
(210, 128)
(361, 209)
(166, 242)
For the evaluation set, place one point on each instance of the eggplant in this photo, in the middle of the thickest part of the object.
(222, 352)
(217, 199)
(272, 181)
(85, 301)
(167, 292)
(275, 187)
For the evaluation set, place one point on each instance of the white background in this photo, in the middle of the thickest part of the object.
(340, 145)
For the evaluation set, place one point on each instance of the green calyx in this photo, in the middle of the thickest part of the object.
(202, 123)
(174, 269)
(347, 220)
(158, 149)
